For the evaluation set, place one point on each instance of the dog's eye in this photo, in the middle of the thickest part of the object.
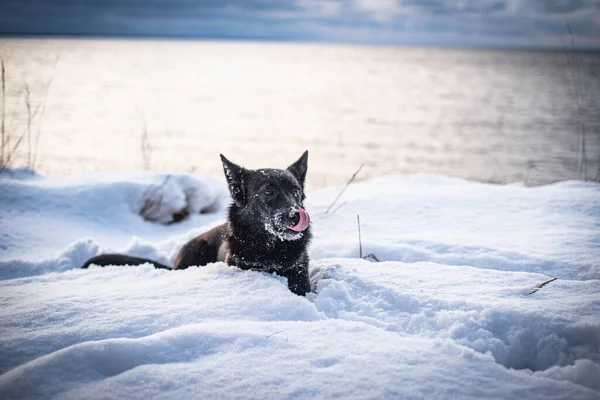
(297, 193)
(268, 192)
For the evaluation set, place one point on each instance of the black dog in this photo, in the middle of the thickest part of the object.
(267, 228)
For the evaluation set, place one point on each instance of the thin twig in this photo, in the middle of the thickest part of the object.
(13, 151)
(575, 72)
(145, 145)
(43, 110)
(541, 285)
(359, 239)
(7, 153)
(360, 252)
(150, 206)
(275, 333)
(531, 165)
(344, 188)
(20, 138)
(338, 207)
(46, 90)
(3, 114)
(371, 256)
(28, 130)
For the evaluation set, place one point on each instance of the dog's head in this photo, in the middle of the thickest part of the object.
(269, 199)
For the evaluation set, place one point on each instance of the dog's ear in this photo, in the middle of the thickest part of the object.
(298, 169)
(235, 181)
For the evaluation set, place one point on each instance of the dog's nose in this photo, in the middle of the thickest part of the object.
(300, 220)
(294, 217)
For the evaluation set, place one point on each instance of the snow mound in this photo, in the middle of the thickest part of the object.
(176, 197)
(447, 314)
(260, 359)
(497, 317)
(157, 198)
(74, 256)
(40, 214)
(552, 230)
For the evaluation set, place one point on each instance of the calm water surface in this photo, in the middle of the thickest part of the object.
(121, 105)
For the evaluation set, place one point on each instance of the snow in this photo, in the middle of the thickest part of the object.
(446, 314)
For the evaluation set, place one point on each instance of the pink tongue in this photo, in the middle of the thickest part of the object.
(303, 222)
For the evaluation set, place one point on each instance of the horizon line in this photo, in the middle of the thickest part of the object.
(292, 40)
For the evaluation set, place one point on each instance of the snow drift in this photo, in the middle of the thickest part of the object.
(446, 314)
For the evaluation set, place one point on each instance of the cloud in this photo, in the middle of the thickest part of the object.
(525, 22)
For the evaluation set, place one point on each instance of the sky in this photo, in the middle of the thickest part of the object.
(486, 23)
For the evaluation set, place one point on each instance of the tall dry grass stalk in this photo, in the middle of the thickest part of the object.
(3, 114)
(359, 238)
(370, 256)
(42, 107)
(10, 142)
(145, 147)
(575, 70)
(28, 130)
(344, 188)
(26, 133)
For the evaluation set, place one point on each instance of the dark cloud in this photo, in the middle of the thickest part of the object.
(558, 6)
(519, 22)
(439, 7)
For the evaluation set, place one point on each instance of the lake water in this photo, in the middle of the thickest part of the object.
(121, 105)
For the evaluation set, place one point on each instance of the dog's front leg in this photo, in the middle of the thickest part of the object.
(298, 281)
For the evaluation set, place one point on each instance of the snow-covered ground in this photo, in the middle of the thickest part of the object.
(447, 313)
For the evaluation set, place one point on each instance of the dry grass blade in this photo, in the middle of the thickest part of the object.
(344, 188)
(43, 110)
(145, 146)
(28, 130)
(3, 114)
(541, 285)
(338, 207)
(13, 151)
(370, 256)
(8, 149)
(275, 333)
(575, 70)
(153, 199)
(359, 239)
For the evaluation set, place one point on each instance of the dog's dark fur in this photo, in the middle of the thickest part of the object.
(256, 236)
